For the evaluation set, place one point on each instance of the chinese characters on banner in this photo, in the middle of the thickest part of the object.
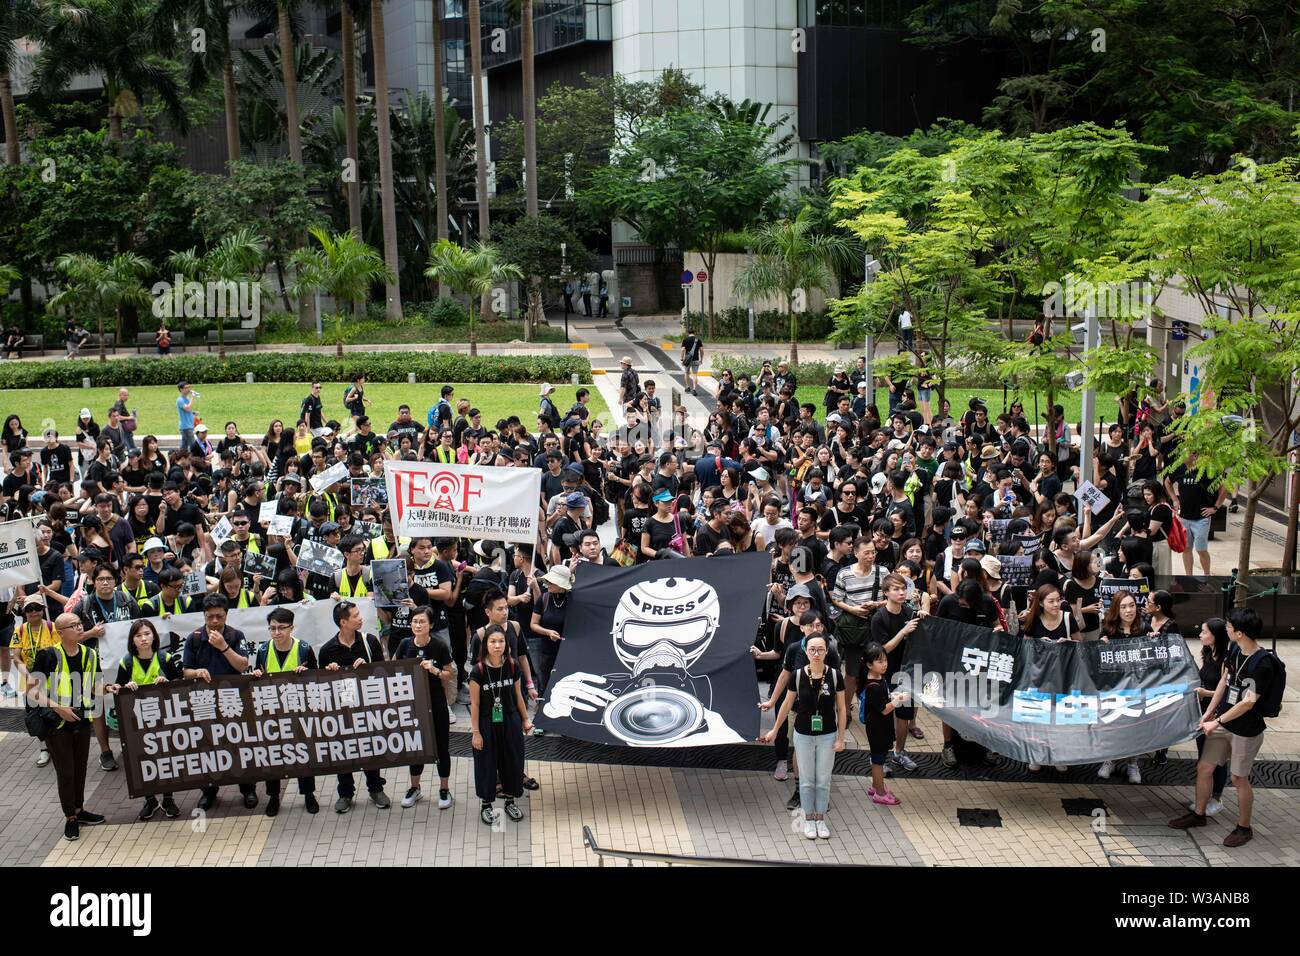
(463, 501)
(187, 734)
(1060, 703)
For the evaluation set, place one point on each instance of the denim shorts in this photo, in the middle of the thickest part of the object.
(923, 394)
(1198, 533)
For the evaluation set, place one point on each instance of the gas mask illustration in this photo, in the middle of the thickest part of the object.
(661, 628)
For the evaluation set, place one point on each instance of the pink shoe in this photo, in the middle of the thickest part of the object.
(885, 799)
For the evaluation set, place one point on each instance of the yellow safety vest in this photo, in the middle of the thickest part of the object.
(244, 600)
(328, 498)
(29, 645)
(379, 547)
(160, 605)
(250, 545)
(140, 675)
(89, 665)
(445, 455)
(345, 586)
(141, 595)
(290, 662)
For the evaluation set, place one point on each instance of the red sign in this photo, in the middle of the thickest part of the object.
(702, 276)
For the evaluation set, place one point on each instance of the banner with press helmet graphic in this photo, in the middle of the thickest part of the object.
(650, 659)
(1054, 703)
(182, 735)
(19, 564)
(463, 501)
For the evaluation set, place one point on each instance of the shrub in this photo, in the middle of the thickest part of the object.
(438, 312)
(429, 367)
(769, 326)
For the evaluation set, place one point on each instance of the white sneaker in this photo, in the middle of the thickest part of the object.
(1105, 770)
(413, 796)
(451, 716)
(1035, 767)
(823, 831)
(903, 760)
(1134, 774)
(1060, 767)
(810, 829)
(1212, 808)
(445, 799)
(42, 758)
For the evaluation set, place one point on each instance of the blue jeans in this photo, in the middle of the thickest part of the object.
(187, 438)
(816, 756)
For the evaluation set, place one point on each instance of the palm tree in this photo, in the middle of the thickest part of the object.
(18, 18)
(392, 284)
(343, 268)
(348, 29)
(237, 258)
(790, 259)
(122, 41)
(213, 18)
(93, 285)
(480, 125)
(473, 272)
(293, 119)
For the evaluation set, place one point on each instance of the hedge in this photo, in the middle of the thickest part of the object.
(769, 326)
(429, 367)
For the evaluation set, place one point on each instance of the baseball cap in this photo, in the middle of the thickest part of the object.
(291, 478)
(950, 446)
(329, 527)
(862, 386)
(798, 591)
(200, 427)
(895, 444)
(833, 417)
(976, 544)
(878, 482)
(34, 601)
(578, 499)
(663, 494)
(85, 413)
(992, 566)
(960, 532)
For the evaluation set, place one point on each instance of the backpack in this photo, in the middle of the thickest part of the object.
(1271, 705)
(1177, 535)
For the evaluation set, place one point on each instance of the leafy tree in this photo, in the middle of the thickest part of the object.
(126, 43)
(263, 118)
(212, 57)
(544, 248)
(790, 260)
(236, 259)
(1233, 239)
(690, 179)
(92, 286)
(18, 18)
(472, 272)
(343, 267)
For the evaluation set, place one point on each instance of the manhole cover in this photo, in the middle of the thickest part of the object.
(979, 818)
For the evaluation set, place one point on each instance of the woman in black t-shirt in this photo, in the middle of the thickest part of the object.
(877, 714)
(1214, 655)
(635, 517)
(1081, 594)
(435, 659)
(500, 720)
(1048, 618)
(816, 695)
(661, 528)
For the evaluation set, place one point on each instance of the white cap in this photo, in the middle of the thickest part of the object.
(878, 483)
(200, 427)
(85, 413)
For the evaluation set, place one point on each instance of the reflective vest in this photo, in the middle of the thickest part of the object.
(379, 549)
(290, 662)
(328, 498)
(141, 675)
(244, 599)
(141, 593)
(89, 667)
(28, 644)
(159, 604)
(250, 545)
(445, 455)
(345, 585)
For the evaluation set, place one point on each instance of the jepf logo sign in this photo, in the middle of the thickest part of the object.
(466, 501)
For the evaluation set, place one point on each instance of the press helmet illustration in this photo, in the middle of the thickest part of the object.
(661, 628)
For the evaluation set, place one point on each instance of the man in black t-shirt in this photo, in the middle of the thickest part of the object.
(312, 409)
(891, 625)
(56, 458)
(1233, 725)
(1196, 501)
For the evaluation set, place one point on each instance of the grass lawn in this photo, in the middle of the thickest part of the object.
(1107, 409)
(255, 406)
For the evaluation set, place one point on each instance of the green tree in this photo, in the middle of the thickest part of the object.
(209, 53)
(126, 43)
(236, 259)
(790, 260)
(92, 286)
(544, 248)
(18, 19)
(1233, 240)
(472, 272)
(344, 268)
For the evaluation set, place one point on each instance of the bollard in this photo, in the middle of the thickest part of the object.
(248, 378)
(573, 379)
(85, 383)
(410, 378)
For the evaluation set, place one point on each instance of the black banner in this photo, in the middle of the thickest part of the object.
(182, 735)
(1059, 703)
(649, 659)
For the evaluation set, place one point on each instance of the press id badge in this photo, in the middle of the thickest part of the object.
(1234, 694)
(817, 723)
(498, 715)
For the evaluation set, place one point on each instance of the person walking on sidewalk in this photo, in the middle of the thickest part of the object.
(144, 665)
(1250, 688)
(67, 679)
(435, 660)
(692, 353)
(603, 294)
(585, 291)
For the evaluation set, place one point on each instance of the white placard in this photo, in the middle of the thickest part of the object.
(463, 501)
(1092, 496)
(281, 526)
(18, 561)
(221, 531)
(330, 476)
(267, 511)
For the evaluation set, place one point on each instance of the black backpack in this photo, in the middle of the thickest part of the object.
(1271, 705)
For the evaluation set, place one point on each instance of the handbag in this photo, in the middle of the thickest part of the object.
(41, 721)
(678, 541)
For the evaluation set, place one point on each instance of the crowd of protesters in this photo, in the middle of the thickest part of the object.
(874, 522)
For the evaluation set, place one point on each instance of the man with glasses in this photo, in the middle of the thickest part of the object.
(349, 649)
(216, 650)
(846, 511)
(103, 606)
(284, 653)
(67, 679)
(312, 410)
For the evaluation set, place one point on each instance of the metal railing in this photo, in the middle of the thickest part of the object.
(671, 859)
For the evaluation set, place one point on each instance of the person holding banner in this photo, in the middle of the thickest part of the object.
(145, 664)
(816, 697)
(284, 652)
(500, 720)
(215, 650)
(435, 659)
(349, 649)
(1215, 646)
